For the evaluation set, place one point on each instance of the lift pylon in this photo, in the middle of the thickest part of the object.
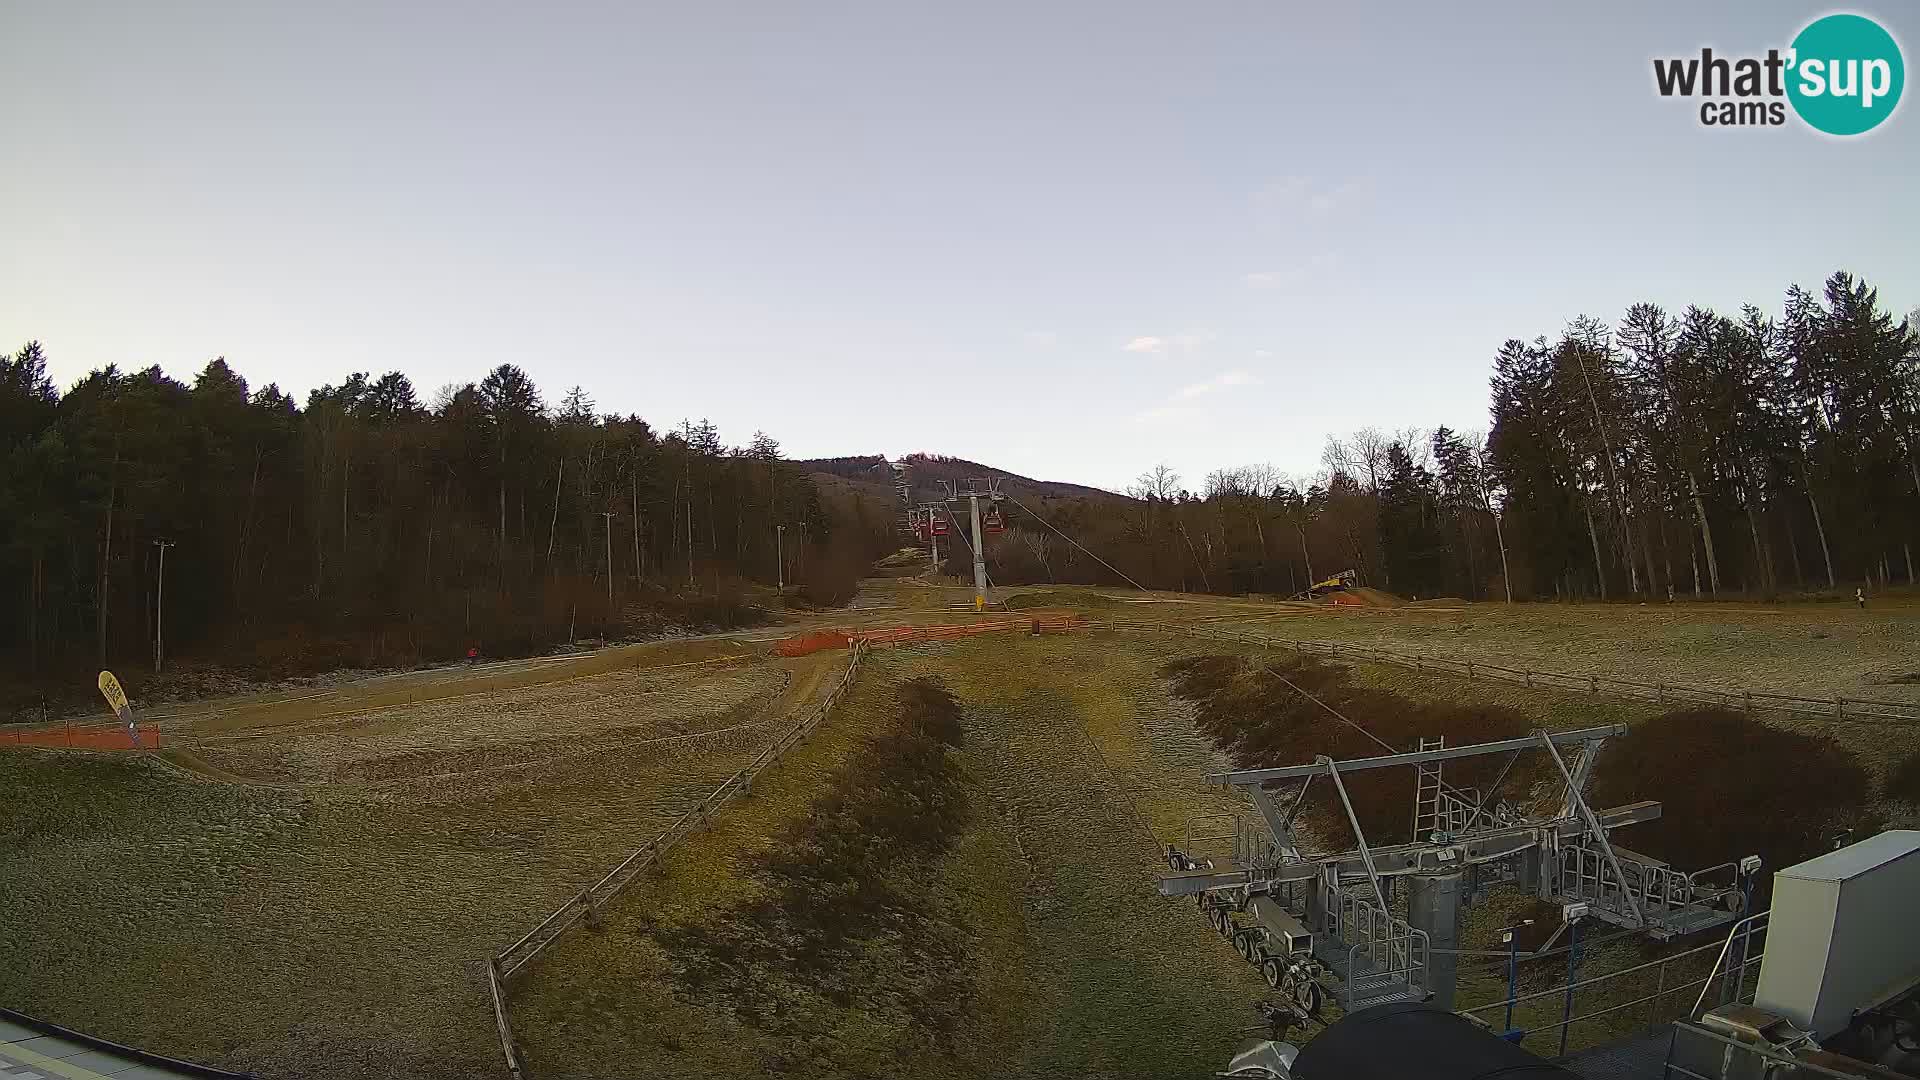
(1335, 917)
(972, 492)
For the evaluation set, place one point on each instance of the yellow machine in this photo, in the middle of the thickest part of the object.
(1339, 582)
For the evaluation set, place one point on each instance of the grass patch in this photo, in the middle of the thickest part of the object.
(840, 931)
(1059, 958)
(332, 929)
(1063, 598)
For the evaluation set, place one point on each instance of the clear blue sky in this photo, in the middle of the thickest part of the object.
(817, 218)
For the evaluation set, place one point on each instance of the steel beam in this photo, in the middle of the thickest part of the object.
(1599, 833)
(1403, 859)
(1246, 777)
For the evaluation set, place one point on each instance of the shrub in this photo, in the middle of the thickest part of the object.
(1730, 786)
(845, 921)
(1263, 714)
(1904, 784)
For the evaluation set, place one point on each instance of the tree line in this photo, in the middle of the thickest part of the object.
(367, 527)
(1689, 455)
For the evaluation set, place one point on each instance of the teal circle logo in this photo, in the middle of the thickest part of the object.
(1846, 74)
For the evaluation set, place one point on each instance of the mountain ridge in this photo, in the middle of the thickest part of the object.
(926, 472)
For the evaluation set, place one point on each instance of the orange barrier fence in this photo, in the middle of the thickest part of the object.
(77, 737)
(820, 640)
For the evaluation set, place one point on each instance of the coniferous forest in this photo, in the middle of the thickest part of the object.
(367, 527)
(1688, 454)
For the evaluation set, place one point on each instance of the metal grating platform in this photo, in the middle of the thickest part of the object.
(1642, 1056)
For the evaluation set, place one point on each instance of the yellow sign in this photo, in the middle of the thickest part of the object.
(110, 689)
(979, 602)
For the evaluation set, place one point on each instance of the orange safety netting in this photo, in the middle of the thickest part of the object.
(84, 737)
(808, 644)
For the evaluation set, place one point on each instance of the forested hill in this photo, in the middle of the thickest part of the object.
(928, 471)
(1697, 454)
(365, 527)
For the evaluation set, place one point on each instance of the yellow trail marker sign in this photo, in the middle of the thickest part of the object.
(116, 697)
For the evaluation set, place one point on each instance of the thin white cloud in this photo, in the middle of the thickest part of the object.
(1275, 279)
(1296, 202)
(1235, 377)
(1041, 339)
(1166, 414)
(1288, 276)
(1145, 345)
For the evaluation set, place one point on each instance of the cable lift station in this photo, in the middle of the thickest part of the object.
(1376, 925)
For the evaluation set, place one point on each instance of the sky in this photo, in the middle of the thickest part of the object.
(1071, 240)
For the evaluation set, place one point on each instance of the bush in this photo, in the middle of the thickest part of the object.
(830, 577)
(1730, 786)
(1259, 713)
(1904, 784)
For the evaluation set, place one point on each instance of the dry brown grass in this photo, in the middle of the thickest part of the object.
(330, 923)
(1077, 968)
(1807, 649)
(318, 897)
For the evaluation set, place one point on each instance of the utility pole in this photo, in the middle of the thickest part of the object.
(780, 558)
(608, 514)
(160, 603)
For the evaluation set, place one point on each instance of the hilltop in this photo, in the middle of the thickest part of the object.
(927, 471)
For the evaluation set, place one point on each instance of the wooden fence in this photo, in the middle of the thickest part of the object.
(1838, 707)
(585, 904)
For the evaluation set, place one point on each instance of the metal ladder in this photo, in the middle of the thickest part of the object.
(1428, 814)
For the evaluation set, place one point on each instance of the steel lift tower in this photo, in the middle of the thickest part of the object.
(1311, 919)
(973, 492)
(929, 523)
(900, 472)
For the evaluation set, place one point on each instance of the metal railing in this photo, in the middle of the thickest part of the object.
(1585, 874)
(585, 904)
(1742, 935)
(1663, 988)
(1718, 1057)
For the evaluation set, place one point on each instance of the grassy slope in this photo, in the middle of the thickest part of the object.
(333, 930)
(1080, 968)
(276, 927)
(1815, 649)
